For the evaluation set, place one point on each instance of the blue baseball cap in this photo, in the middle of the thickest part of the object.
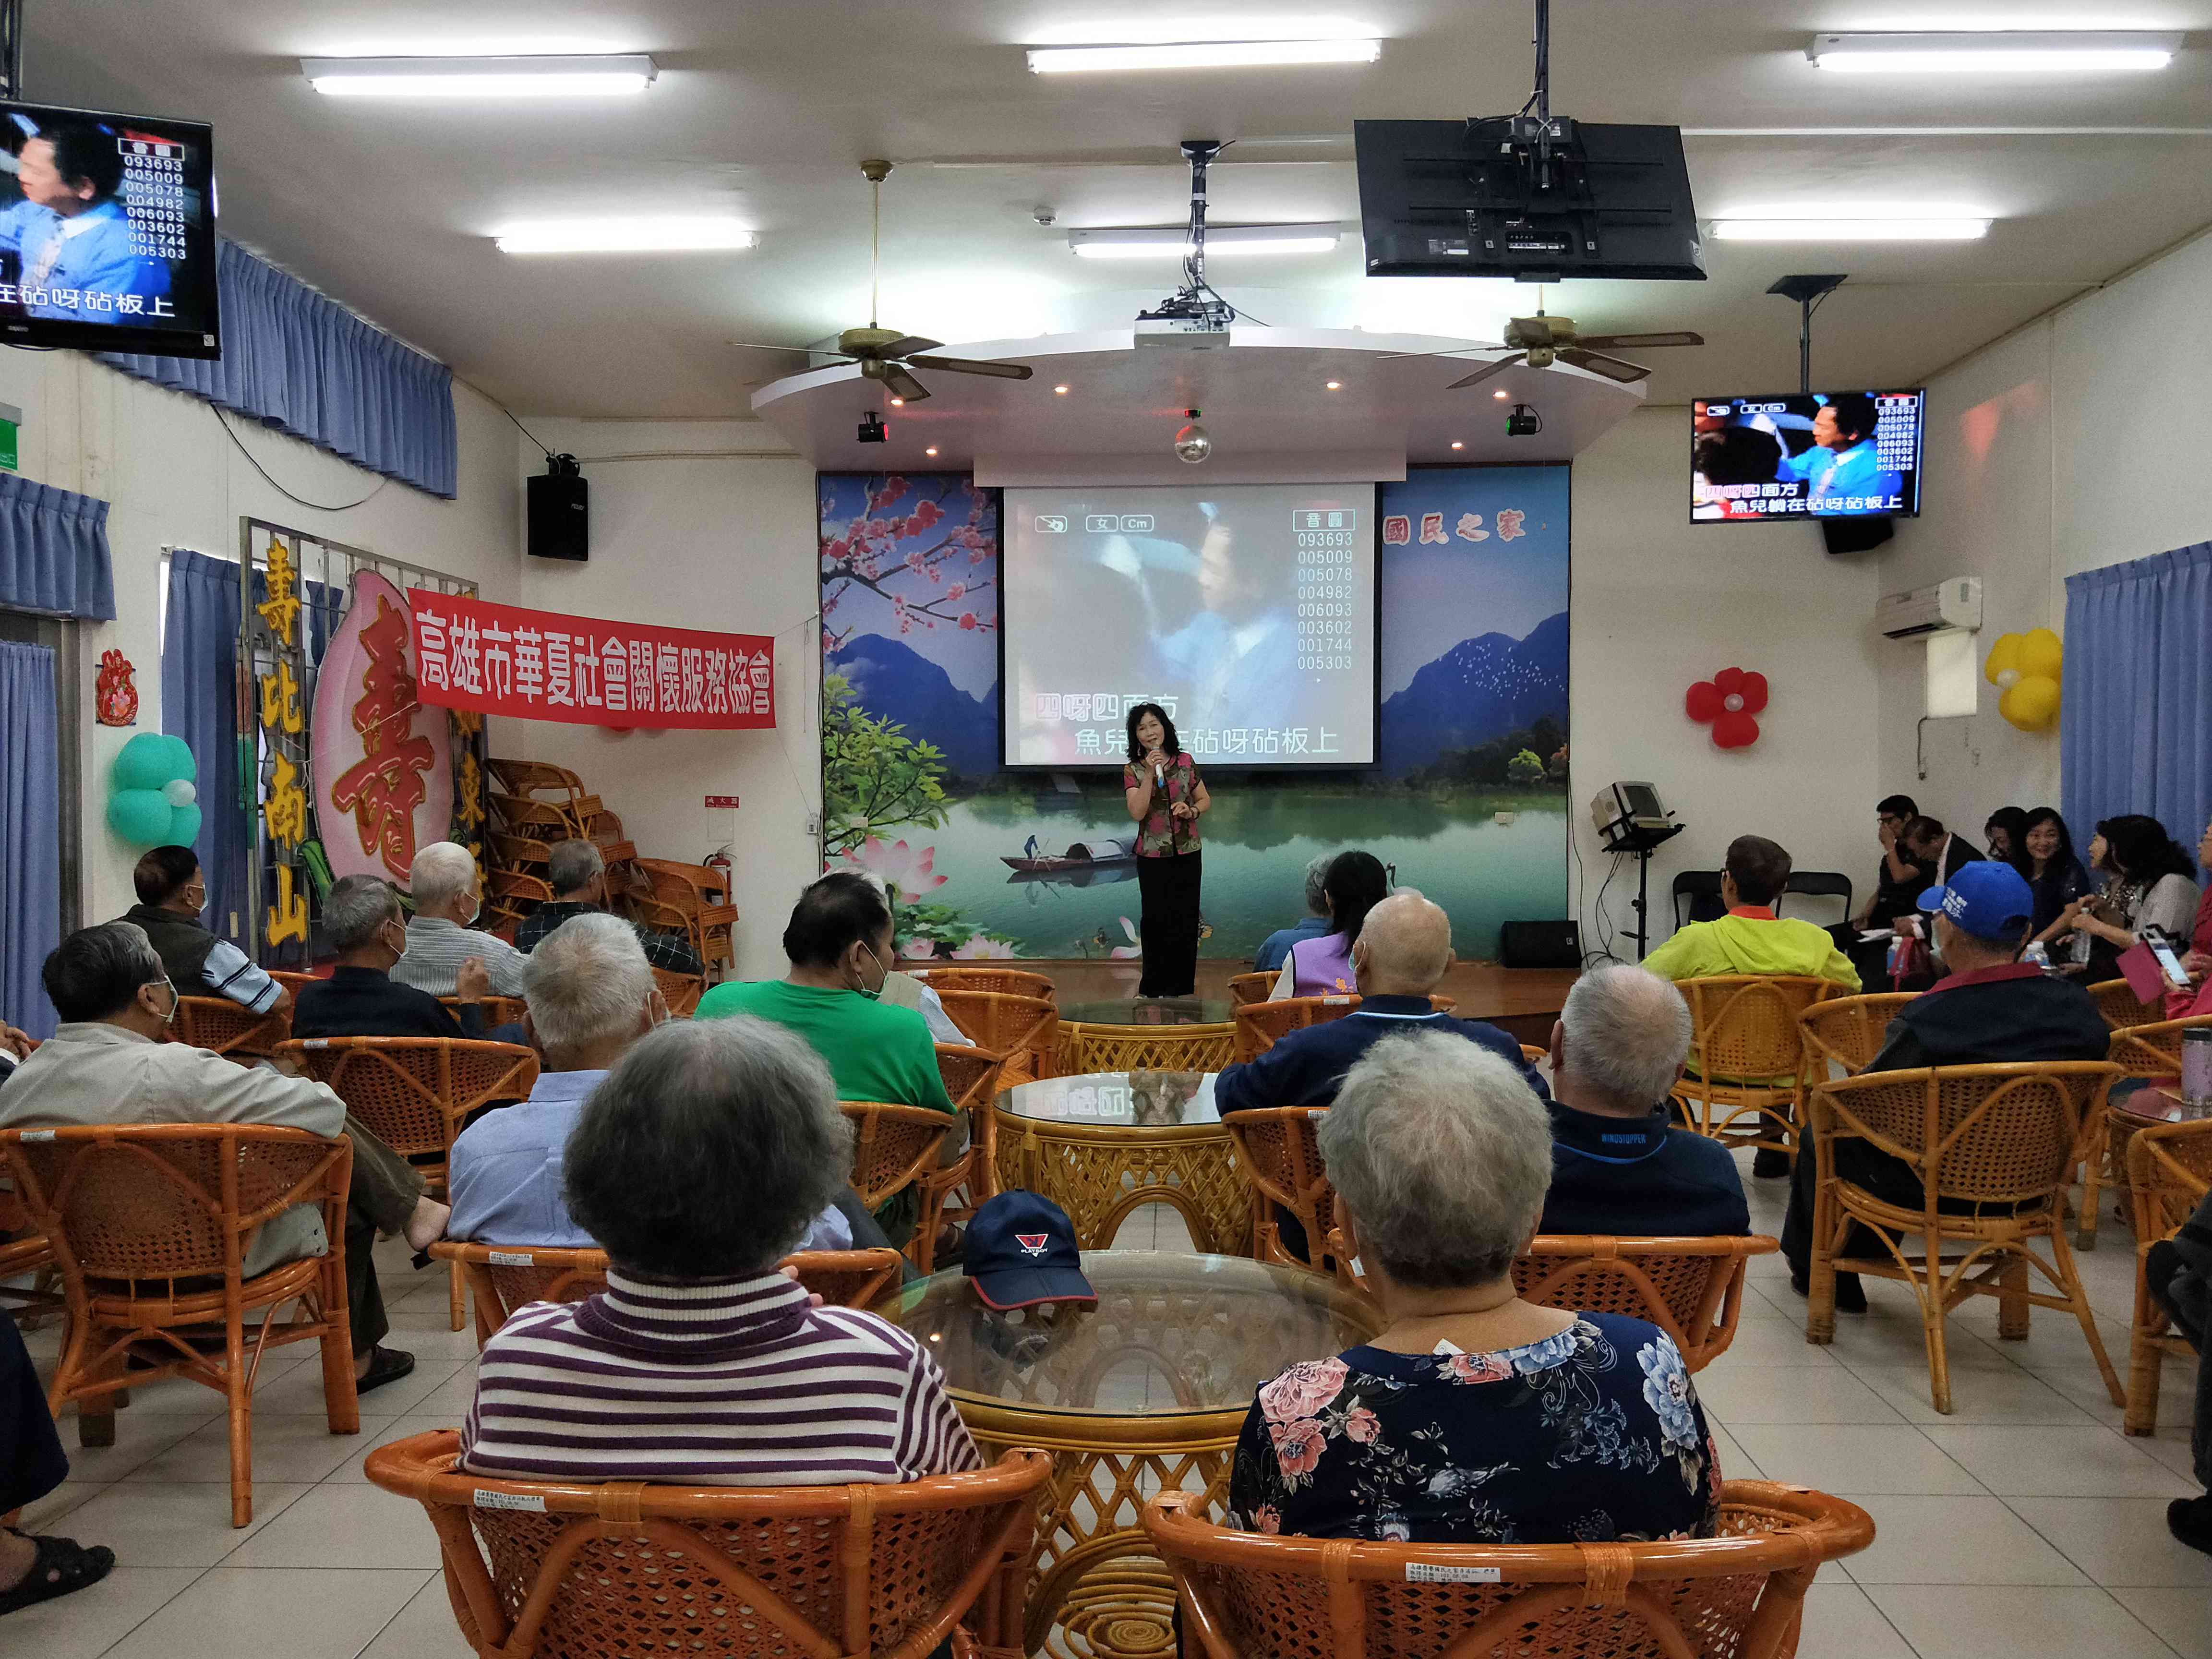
(1020, 1251)
(1989, 900)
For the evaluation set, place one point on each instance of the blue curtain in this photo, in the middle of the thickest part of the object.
(297, 361)
(30, 834)
(2136, 732)
(199, 654)
(53, 551)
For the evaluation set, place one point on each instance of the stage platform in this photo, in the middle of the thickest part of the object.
(1523, 1001)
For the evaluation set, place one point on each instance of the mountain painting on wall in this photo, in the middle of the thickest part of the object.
(894, 682)
(1481, 689)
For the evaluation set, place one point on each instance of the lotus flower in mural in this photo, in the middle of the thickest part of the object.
(917, 949)
(902, 868)
(1135, 947)
(1728, 702)
(981, 949)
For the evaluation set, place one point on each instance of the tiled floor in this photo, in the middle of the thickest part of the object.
(2023, 1521)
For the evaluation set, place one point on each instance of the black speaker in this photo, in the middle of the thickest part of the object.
(560, 519)
(1856, 535)
(1539, 945)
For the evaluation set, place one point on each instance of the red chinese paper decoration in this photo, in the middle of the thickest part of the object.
(114, 697)
(1728, 702)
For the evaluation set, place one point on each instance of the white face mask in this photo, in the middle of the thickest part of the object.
(169, 1018)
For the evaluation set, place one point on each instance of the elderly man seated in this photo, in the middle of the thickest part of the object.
(576, 870)
(591, 996)
(364, 923)
(172, 893)
(107, 1064)
(1402, 955)
(1475, 1417)
(699, 1161)
(449, 893)
(1619, 1163)
(1275, 949)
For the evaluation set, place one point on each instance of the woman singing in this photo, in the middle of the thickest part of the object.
(1165, 795)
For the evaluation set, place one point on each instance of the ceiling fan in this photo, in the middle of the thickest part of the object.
(884, 354)
(1541, 340)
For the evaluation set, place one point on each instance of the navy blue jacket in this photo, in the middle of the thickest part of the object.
(1307, 1067)
(1640, 1178)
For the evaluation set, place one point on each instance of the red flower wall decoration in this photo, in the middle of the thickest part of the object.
(1728, 701)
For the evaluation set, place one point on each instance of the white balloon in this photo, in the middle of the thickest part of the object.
(2007, 678)
(179, 791)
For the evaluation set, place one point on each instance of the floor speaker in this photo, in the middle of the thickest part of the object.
(1539, 945)
(560, 521)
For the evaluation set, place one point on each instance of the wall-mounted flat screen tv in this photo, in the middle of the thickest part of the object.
(106, 232)
(1818, 455)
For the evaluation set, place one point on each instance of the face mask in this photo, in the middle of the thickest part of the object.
(882, 972)
(476, 909)
(169, 1018)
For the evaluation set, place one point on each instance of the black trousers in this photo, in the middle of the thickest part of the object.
(32, 1462)
(1169, 887)
(364, 1300)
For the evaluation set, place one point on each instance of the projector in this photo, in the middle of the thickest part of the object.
(872, 429)
(1190, 323)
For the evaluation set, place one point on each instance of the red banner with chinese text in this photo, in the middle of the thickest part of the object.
(540, 665)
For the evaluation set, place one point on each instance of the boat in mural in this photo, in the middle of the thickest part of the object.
(1082, 860)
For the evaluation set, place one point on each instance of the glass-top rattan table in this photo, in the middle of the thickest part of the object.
(1173, 1034)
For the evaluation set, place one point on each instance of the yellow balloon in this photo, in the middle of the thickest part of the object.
(2004, 654)
(2040, 653)
(2033, 704)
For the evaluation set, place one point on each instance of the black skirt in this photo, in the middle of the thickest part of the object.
(1170, 890)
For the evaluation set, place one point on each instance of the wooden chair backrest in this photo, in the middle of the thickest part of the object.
(2117, 1001)
(680, 992)
(521, 849)
(518, 814)
(893, 1145)
(1261, 1025)
(521, 884)
(1252, 1596)
(1691, 1288)
(2008, 1133)
(2169, 1172)
(1001, 1020)
(1745, 1025)
(1280, 1151)
(1848, 1031)
(169, 1200)
(293, 982)
(707, 884)
(525, 777)
(414, 1093)
(497, 1010)
(1251, 987)
(966, 976)
(970, 1075)
(220, 1025)
(605, 1572)
(2152, 1050)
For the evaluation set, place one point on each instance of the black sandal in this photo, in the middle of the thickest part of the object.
(62, 1565)
(384, 1365)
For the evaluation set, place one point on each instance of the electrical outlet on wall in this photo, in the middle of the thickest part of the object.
(813, 823)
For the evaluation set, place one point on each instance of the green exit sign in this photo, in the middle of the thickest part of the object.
(10, 418)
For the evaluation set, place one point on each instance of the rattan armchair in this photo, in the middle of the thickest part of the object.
(693, 899)
(1280, 1156)
(497, 1010)
(415, 1094)
(563, 789)
(1740, 1593)
(512, 895)
(1846, 1033)
(1024, 1029)
(2117, 1001)
(895, 1147)
(1261, 1025)
(2169, 1172)
(2151, 1053)
(975, 976)
(1690, 1288)
(680, 992)
(24, 1254)
(722, 1572)
(1750, 1056)
(149, 1226)
(1993, 1148)
(222, 1027)
(508, 1277)
(1251, 987)
(971, 1077)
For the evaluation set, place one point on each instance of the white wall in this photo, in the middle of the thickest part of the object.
(1659, 604)
(700, 525)
(2069, 445)
(174, 478)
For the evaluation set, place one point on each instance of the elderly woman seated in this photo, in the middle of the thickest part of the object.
(697, 1163)
(1475, 1417)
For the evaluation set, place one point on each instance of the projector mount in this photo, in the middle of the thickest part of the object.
(1194, 314)
(1534, 133)
(1809, 291)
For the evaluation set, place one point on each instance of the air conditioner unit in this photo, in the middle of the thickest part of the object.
(1956, 602)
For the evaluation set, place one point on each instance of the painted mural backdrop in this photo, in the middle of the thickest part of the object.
(1468, 801)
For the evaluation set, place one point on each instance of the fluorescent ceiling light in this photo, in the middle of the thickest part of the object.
(1997, 52)
(479, 77)
(1830, 228)
(1170, 241)
(1201, 54)
(624, 236)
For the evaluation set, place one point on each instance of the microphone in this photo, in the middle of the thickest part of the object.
(1159, 778)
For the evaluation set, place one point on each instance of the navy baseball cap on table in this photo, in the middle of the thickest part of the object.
(1020, 1251)
(1989, 900)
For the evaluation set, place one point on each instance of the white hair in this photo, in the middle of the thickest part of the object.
(1317, 883)
(1626, 1031)
(442, 871)
(356, 912)
(572, 865)
(585, 982)
(1443, 1154)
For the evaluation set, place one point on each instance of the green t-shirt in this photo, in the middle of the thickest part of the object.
(875, 1051)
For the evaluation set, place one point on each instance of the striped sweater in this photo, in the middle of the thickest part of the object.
(730, 1382)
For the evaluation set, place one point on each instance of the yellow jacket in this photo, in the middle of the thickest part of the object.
(1752, 940)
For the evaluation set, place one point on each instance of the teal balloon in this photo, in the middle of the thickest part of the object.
(184, 826)
(145, 761)
(177, 760)
(141, 817)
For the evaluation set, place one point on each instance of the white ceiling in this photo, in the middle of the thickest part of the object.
(764, 107)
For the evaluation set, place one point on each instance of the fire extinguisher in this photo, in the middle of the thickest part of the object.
(720, 859)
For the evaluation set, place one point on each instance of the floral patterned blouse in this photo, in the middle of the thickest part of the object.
(1160, 836)
(1593, 1434)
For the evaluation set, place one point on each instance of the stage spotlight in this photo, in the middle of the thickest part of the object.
(1523, 422)
(1192, 442)
(872, 429)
